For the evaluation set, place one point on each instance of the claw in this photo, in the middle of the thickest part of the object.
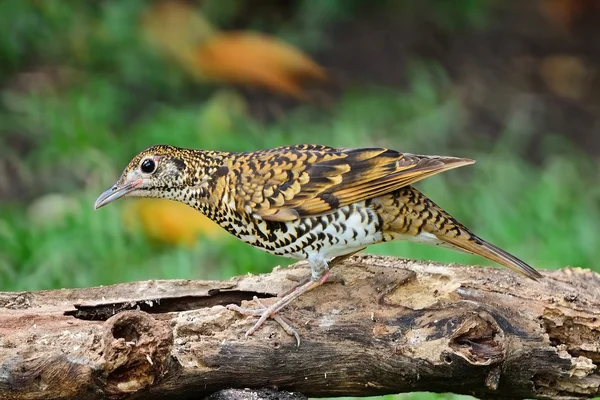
(266, 312)
(245, 311)
(272, 310)
(284, 323)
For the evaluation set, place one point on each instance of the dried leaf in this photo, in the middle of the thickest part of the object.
(255, 59)
(245, 58)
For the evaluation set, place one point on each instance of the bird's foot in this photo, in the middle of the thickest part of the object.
(265, 310)
(271, 311)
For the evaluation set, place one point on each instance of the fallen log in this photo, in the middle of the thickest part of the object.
(392, 326)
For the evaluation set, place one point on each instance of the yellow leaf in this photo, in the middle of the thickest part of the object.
(168, 221)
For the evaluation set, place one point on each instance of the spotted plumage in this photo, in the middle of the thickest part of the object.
(308, 201)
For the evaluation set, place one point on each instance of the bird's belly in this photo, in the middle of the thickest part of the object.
(344, 231)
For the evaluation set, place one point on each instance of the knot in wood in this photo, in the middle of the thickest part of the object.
(479, 339)
(136, 351)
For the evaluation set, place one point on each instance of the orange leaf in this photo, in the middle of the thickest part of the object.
(168, 221)
(245, 58)
(255, 59)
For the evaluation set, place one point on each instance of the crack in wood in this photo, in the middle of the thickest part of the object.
(101, 311)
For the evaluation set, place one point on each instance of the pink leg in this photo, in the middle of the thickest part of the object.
(332, 264)
(286, 298)
(272, 310)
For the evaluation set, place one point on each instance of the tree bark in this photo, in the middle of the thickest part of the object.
(392, 326)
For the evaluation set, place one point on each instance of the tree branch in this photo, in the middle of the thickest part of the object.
(394, 326)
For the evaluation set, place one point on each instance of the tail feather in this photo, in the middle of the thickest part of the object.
(409, 214)
(471, 243)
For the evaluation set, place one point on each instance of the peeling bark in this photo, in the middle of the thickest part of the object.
(393, 326)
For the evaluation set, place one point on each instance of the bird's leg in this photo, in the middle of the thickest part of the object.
(272, 310)
(303, 281)
(335, 261)
(320, 274)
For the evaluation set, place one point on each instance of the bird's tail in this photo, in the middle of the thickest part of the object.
(417, 218)
(470, 243)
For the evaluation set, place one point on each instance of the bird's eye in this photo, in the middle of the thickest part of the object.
(148, 166)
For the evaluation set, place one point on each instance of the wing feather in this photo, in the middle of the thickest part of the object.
(288, 183)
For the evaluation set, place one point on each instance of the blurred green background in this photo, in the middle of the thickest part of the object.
(85, 86)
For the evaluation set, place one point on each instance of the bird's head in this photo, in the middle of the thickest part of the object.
(161, 171)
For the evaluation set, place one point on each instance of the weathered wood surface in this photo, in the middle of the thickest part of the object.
(393, 326)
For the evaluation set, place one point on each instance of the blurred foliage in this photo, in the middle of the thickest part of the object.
(82, 92)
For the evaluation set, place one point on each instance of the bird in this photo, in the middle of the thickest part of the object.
(307, 202)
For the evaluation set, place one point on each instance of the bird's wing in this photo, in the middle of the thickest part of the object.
(287, 183)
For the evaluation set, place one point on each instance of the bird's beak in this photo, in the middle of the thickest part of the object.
(116, 192)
